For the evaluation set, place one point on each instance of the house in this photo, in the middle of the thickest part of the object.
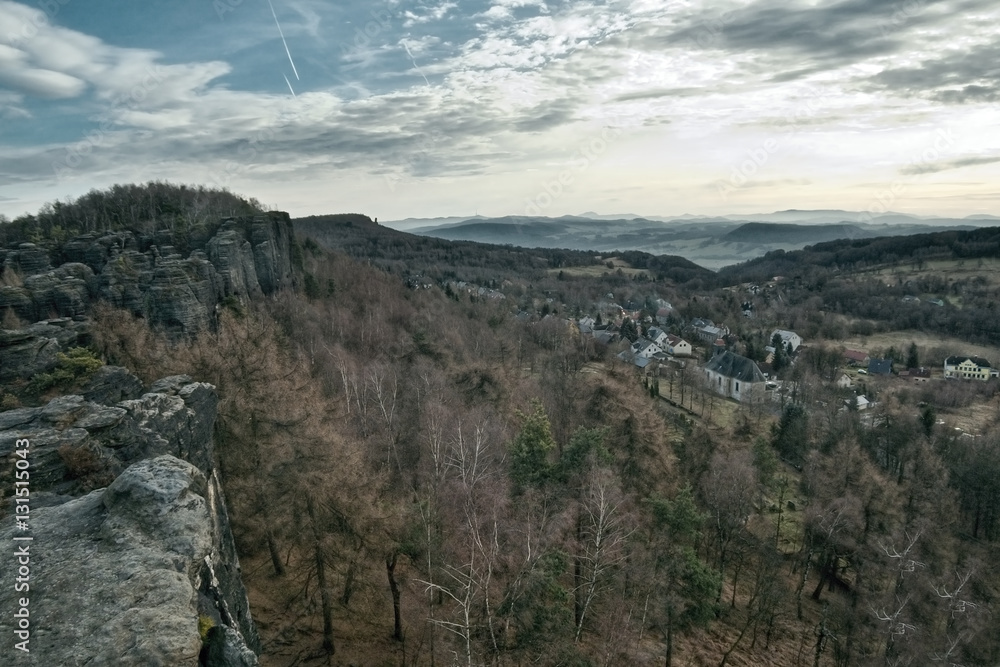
(710, 333)
(663, 315)
(879, 366)
(639, 362)
(677, 346)
(844, 381)
(856, 357)
(935, 302)
(645, 348)
(586, 325)
(791, 339)
(966, 367)
(657, 335)
(734, 376)
(606, 336)
(860, 402)
(917, 374)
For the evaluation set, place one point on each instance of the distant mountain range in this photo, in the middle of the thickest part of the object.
(712, 242)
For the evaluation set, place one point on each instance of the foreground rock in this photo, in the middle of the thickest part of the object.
(121, 575)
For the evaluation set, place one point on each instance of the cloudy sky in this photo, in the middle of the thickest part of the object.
(504, 107)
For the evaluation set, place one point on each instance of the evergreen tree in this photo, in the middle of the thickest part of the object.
(529, 452)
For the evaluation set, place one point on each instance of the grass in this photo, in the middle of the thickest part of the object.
(598, 270)
(950, 269)
(925, 341)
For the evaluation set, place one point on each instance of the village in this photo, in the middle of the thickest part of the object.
(699, 354)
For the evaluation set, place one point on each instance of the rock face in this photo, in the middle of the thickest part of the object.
(24, 353)
(246, 257)
(120, 576)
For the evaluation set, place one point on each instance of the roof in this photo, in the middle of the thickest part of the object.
(735, 366)
(654, 333)
(956, 360)
(674, 340)
(880, 366)
(784, 333)
(855, 355)
(642, 344)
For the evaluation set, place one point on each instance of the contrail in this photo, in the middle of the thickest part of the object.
(289, 85)
(412, 59)
(283, 42)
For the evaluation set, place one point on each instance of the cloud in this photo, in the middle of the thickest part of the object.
(959, 76)
(658, 93)
(946, 165)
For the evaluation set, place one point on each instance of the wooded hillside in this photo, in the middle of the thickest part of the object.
(423, 475)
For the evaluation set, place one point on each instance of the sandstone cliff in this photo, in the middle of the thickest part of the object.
(122, 575)
(244, 258)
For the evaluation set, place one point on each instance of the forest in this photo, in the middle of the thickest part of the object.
(418, 476)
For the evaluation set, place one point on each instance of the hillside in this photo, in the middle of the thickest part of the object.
(766, 233)
(709, 242)
(409, 253)
(426, 460)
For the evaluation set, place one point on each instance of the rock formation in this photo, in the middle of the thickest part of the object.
(243, 259)
(122, 575)
(132, 557)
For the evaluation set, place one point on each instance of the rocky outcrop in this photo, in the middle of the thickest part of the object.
(27, 352)
(244, 258)
(123, 573)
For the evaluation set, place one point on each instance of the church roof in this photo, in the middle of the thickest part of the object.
(735, 366)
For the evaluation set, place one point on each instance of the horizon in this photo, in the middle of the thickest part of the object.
(509, 107)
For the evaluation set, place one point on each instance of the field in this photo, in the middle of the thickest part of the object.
(598, 270)
(987, 268)
(926, 343)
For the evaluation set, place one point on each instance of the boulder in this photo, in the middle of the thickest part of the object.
(118, 577)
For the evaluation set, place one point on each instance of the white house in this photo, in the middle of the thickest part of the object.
(734, 376)
(677, 346)
(645, 348)
(791, 339)
(657, 335)
(967, 367)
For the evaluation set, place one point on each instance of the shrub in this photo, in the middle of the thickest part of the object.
(86, 466)
(75, 365)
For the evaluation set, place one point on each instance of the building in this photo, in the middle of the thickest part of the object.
(677, 346)
(710, 333)
(646, 348)
(791, 339)
(970, 368)
(880, 366)
(856, 357)
(734, 376)
(657, 335)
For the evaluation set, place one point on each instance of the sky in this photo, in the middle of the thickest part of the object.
(406, 108)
